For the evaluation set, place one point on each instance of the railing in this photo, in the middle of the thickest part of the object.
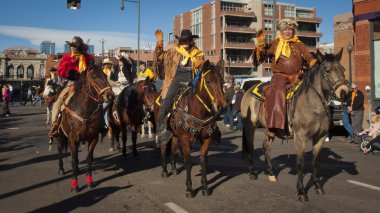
(239, 29)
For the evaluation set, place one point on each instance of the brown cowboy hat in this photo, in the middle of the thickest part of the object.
(186, 35)
(78, 43)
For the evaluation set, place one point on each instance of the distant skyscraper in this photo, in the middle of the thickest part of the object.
(90, 49)
(47, 47)
(66, 48)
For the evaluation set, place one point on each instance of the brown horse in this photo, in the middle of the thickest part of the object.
(194, 118)
(82, 120)
(127, 110)
(308, 115)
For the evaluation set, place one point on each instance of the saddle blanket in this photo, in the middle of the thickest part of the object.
(259, 93)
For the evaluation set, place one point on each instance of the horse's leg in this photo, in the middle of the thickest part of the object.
(117, 138)
(60, 146)
(134, 139)
(316, 166)
(124, 139)
(248, 149)
(47, 116)
(164, 148)
(74, 146)
(204, 149)
(267, 146)
(174, 147)
(300, 152)
(187, 158)
(90, 156)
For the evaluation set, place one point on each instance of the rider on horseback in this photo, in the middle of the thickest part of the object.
(288, 55)
(180, 65)
(70, 67)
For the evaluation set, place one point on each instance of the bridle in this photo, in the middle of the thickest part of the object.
(333, 86)
(97, 88)
(203, 84)
(149, 105)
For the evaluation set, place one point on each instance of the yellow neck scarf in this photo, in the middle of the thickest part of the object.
(107, 71)
(52, 75)
(82, 61)
(283, 47)
(195, 52)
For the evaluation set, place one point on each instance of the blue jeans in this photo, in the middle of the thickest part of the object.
(346, 122)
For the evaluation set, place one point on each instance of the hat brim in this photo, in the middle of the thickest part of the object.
(71, 44)
(187, 37)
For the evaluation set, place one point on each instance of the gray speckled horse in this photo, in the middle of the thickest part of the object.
(308, 116)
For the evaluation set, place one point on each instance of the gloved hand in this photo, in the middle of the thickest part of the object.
(261, 35)
(159, 36)
(72, 75)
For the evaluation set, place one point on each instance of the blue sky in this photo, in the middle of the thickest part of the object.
(28, 22)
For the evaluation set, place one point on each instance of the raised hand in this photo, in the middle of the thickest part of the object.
(261, 35)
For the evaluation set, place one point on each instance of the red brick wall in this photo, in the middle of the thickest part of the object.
(218, 37)
(187, 20)
(206, 27)
(367, 7)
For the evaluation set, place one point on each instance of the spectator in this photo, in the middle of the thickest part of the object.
(11, 94)
(356, 109)
(6, 99)
(29, 97)
(236, 103)
(374, 131)
(346, 120)
(228, 96)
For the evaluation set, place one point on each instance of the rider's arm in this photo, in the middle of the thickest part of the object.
(308, 57)
(63, 66)
(261, 50)
(159, 55)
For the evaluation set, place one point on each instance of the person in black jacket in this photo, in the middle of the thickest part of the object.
(355, 103)
(236, 103)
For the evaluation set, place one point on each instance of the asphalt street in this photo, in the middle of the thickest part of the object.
(29, 180)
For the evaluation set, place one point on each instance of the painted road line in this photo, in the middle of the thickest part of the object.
(364, 185)
(13, 128)
(175, 207)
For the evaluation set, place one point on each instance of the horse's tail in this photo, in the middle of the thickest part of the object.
(244, 144)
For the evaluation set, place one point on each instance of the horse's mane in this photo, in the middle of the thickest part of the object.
(308, 80)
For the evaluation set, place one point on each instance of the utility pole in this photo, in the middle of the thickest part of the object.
(274, 20)
(102, 41)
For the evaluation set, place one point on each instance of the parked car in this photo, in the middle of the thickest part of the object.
(336, 109)
(249, 82)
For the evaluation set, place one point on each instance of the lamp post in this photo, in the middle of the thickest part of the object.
(138, 27)
(349, 50)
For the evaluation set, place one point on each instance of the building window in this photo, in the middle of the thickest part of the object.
(269, 38)
(20, 71)
(268, 9)
(30, 72)
(268, 24)
(9, 73)
(213, 11)
(376, 51)
(196, 19)
(213, 39)
(289, 11)
(304, 14)
(180, 23)
(230, 6)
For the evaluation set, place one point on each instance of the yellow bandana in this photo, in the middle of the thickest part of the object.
(195, 52)
(52, 74)
(283, 47)
(107, 71)
(82, 61)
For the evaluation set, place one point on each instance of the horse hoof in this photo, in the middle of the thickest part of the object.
(165, 174)
(253, 176)
(206, 192)
(272, 178)
(175, 171)
(303, 198)
(75, 189)
(189, 194)
(61, 172)
(320, 191)
(90, 185)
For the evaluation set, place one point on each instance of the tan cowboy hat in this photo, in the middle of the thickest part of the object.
(287, 23)
(107, 61)
(78, 43)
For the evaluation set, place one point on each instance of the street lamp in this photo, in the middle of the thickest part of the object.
(138, 27)
(73, 4)
(349, 50)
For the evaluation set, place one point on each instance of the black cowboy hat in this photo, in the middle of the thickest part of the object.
(186, 35)
(78, 43)
(53, 69)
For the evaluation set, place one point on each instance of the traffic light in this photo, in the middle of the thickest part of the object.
(73, 4)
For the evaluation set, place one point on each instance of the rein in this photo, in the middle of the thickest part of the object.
(203, 84)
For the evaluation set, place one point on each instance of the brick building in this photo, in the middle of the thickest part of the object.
(227, 30)
(367, 47)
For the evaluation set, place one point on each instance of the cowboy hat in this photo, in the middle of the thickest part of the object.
(53, 69)
(107, 61)
(78, 43)
(287, 23)
(186, 35)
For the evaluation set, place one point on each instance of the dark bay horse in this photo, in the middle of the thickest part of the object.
(194, 118)
(82, 120)
(127, 110)
(308, 115)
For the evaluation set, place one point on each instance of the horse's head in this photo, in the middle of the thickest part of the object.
(147, 90)
(98, 85)
(333, 73)
(211, 85)
(49, 88)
